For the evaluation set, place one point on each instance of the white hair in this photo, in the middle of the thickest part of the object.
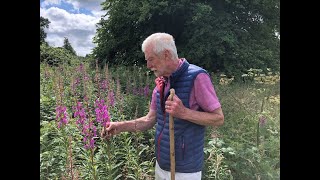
(161, 42)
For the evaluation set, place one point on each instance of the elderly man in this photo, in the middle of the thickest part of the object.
(195, 105)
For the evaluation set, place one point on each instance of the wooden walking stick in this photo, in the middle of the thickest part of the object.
(171, 133)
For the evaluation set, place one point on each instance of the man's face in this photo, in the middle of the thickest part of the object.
(155, 63)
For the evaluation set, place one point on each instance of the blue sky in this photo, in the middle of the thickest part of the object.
(74, 19)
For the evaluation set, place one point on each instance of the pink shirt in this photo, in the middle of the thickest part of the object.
(202, 94)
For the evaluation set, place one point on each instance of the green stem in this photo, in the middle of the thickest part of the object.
(92, 161)
(108, 146)
(109, 155)
(258, 126)
(258, 134)
(65, 139)
(70, 153)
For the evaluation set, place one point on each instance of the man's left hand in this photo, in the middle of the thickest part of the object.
(175, 107)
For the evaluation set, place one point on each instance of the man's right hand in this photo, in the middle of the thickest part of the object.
(110, 130)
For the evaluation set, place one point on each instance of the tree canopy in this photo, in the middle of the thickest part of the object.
(222, 35)
(67, 46)
(44, 23)
(55, 56)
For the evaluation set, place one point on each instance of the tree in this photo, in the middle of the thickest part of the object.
(55, 56)
(222, 35)
(67, 46)
(44, 23)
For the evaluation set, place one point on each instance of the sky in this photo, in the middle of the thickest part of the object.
(73, 19)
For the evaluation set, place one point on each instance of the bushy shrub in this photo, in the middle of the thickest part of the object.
(57, 55)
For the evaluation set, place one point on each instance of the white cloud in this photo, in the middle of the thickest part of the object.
(49, 2)
(78, 28)
(92, 5)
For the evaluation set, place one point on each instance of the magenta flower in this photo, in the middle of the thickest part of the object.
(75, 83)
(146, 91)
(135, 91)
(80, 68)
(85, 126)
(111, 98)
(61, 115)
(104, 85)
(262, 121)
(81, 114)
(89, 132)
(102, 115)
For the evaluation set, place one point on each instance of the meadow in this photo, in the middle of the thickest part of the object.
(77, 101)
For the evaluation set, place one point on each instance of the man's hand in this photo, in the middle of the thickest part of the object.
(175, 107)
(178, 110)
(110, 130)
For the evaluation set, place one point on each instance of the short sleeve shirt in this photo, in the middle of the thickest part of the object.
(202, 94)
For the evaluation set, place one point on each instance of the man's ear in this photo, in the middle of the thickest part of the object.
(167, 54)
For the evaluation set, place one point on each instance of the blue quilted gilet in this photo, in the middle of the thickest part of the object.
(189, 137)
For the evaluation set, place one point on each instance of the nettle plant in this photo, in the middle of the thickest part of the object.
(215, 152)
(251, 129)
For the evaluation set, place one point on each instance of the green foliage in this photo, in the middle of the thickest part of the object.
(57, 55)
(221, 36)
(242, 148)
(47, 98)
(244, 105)
(215, 166)
(52, 151)
(67, 46)
(47, 108)
(44, 23)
